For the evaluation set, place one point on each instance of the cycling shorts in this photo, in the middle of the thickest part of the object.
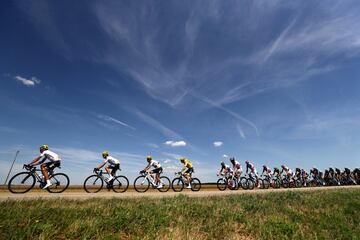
(157, 170)
(51, 165)
(189, 171)
(114, 168)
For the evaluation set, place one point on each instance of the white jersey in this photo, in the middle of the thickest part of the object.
(49, 155)
(237, 166)
(155, 164)
(112, 161)
(227, 167)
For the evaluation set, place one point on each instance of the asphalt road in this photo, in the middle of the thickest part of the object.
(79, 194)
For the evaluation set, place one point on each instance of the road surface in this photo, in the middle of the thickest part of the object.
(79, 194)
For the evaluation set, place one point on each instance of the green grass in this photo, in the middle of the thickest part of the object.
(332, 214)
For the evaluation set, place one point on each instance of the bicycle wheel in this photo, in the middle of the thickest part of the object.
(265, 183)
(177, 184)
(120, 184)
(243, 183)
(298, 184)
(221, 184)
(250, 184)
(60, 182)
(21, 182)
(232, 184)
(285, 183)
(277, 183)
(93, 184)
(165, 181)
(141, 184)
(195, 184)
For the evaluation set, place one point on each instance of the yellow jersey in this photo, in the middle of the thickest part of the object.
(187, 164)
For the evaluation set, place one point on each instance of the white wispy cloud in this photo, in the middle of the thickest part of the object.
(111, 119)
(41, 15)
(240, 131)
(28, 81)
(175, 143)
(155, 124)
(218, 143)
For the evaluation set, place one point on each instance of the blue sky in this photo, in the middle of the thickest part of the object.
(269, 81)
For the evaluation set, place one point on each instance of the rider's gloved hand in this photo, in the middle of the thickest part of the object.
(142, 171)
(96, 169)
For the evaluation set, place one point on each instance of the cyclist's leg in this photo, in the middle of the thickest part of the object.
(109, 171)
(44, 169)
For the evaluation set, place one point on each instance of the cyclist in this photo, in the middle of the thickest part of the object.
(288, 172)
(113, 166)
(298, 173)
(348, 176)
(338, 175)
(189, 170)
(276, 172)
(253, 172)
(315, 172)
(226, 170)
(46, 167)
(356, 174)
(267, 172)
(157, 169)
(236, 167)
(304, 177)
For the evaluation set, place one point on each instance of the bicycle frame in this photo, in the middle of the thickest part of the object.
(182, 176)
(33, 171)
(150, 178)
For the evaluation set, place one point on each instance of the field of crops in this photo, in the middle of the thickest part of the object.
(323, 214)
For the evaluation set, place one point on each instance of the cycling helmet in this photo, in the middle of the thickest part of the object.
(247, 162)
(182, 159)
(264, 166)
(44, 147)
(232, 159)
(149, 158)
(222, 163)
(105, 154)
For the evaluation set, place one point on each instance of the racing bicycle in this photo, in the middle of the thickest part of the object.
(247, 182)
(94, 183)
(24, 181)
(178, 183)
(142, 183)
(227, 181)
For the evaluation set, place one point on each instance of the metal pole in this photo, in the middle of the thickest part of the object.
(17, 152)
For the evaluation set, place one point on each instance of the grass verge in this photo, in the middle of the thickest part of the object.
(332, 214)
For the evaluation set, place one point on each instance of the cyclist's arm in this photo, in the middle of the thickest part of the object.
(183, 169)
(147, 167)
(220, 170)
(101, 165)
(35, 160)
